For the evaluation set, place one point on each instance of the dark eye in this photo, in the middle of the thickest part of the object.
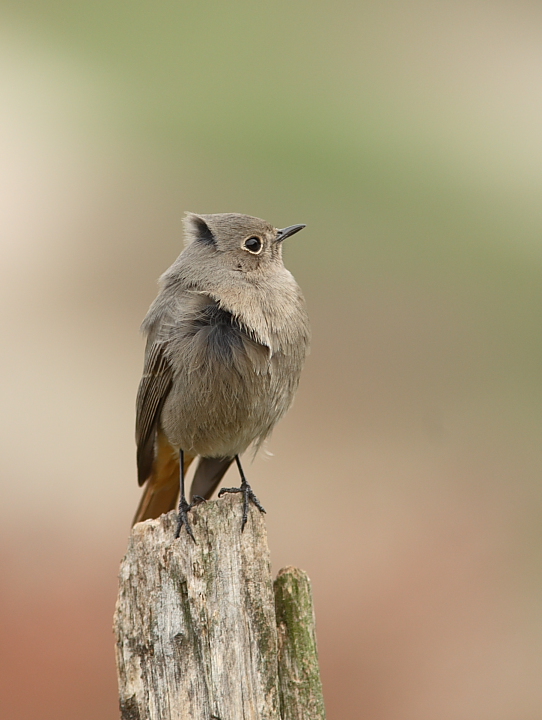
(253, 244)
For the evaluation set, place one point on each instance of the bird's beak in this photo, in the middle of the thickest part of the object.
(286, 232)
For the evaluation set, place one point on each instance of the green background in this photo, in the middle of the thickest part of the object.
(406, 479)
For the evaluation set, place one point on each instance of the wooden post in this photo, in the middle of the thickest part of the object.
(196, 624)
(299, 674)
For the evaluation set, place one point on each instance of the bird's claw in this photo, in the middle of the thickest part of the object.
(248, 496)
(182, 515)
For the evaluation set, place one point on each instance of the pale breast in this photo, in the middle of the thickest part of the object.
(228, 390)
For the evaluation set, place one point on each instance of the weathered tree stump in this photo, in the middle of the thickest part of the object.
(299, 673)
(196, 624)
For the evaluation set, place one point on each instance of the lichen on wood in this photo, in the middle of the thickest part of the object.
(195, 622)
(301, 695)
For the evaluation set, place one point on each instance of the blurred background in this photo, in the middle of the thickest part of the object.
(406, 478)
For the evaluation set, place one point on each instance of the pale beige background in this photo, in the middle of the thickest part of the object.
(406, 479)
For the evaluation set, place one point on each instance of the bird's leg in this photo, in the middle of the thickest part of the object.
(248, 495)
(184, 506)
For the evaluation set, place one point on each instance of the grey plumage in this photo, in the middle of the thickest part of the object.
(226, 340)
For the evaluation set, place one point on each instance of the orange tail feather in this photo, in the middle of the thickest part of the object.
(162, 488)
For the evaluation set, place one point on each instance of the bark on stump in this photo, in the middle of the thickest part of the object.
(200, 633)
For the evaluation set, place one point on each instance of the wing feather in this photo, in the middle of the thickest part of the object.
(153, 391)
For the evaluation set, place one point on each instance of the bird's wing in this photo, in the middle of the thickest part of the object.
(153, 391)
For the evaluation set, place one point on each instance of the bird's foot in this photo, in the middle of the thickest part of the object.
(248, 496)
(182, 515)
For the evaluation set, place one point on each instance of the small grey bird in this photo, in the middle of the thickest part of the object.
(227, 337)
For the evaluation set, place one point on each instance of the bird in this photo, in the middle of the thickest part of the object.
(226, 340)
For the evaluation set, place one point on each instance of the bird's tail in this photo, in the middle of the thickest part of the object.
(209, 473)
(162, 489)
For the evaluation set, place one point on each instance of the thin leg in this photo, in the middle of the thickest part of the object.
(184, 507)
(248, 495)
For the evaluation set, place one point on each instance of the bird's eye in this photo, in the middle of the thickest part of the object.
(253, 245)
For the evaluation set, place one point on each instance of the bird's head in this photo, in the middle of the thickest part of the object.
(234, 242)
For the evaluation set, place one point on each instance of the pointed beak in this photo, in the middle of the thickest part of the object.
(286, 232)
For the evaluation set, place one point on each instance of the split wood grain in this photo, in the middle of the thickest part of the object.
(196, 624)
